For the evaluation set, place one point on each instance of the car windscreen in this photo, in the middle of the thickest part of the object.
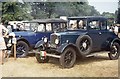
(58, 27)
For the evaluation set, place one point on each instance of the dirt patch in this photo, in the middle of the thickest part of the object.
(98, 66)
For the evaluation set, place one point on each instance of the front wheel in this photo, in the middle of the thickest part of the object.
(22, 49)
(68, 58)
(114, 51)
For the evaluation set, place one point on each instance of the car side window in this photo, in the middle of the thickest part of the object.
(103, 25)
(56, 26)
(26, 26)
(33, 26)
(41, 28)
(72, 24)
(48, 27)
(94, 25)
(62, 26)
(81, 24)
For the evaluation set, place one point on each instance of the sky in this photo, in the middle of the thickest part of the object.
(104, 5)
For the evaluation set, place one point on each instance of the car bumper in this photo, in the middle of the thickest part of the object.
(46, 53)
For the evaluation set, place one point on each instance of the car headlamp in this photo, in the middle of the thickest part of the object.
(56, 41)
(45, 40)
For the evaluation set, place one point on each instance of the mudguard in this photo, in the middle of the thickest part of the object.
(65, 45)
(39, 43)
(115, 40)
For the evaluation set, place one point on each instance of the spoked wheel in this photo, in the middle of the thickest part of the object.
(68, 58)
(22, 49)
(84, 44)
(114, 51)
(41, 59)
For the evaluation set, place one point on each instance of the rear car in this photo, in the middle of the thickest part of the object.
(33, 31)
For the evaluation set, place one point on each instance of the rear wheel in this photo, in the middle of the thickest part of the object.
(68, 58)
(41, 59)
(84, 43)
(114, 51)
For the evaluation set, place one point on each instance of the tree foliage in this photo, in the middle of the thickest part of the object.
(15, 11)
(56, 9)
(37, 10)
(108, 14)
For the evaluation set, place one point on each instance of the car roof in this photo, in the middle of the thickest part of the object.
(88, 17)
(53, 20)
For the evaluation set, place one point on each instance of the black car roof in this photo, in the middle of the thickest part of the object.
(54, 20)
(88, 17)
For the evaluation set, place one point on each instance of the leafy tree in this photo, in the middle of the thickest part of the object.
(108, 14)
(56, 9)
(38, 10)
(15, 11)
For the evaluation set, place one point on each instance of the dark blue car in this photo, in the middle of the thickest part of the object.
(33, 31)
(84, 36)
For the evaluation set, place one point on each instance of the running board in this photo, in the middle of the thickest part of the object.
(96, 53)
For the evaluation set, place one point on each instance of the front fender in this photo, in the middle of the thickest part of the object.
(115, 40)
(39, 43)
(65, 45)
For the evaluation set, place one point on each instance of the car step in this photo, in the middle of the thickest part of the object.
(96, 54)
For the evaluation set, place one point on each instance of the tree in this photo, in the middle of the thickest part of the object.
(56, 9)
(38, 10)
(15, 11)
(108, 14)
(118, 13)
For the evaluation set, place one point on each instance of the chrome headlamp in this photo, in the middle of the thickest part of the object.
(57, 41)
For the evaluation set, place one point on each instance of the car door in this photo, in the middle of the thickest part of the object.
(95, 33)
(105, 35)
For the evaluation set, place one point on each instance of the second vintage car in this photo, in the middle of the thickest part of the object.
(84, 36)
(33, 31)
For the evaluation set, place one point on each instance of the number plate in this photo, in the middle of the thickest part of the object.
(42, 53)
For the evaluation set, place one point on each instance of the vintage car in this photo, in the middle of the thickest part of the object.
(84, 36)
(33, 31)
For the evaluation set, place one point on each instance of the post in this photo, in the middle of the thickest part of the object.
(15, 51)
(14, 43)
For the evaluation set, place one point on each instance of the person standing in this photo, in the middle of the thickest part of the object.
(2, 42)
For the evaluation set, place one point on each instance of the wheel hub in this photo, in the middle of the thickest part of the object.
(115, 50)
(84, 45)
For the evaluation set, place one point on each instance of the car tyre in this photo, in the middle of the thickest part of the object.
(114, 51)
(68, 58)
(22, 49)
(84, 44)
